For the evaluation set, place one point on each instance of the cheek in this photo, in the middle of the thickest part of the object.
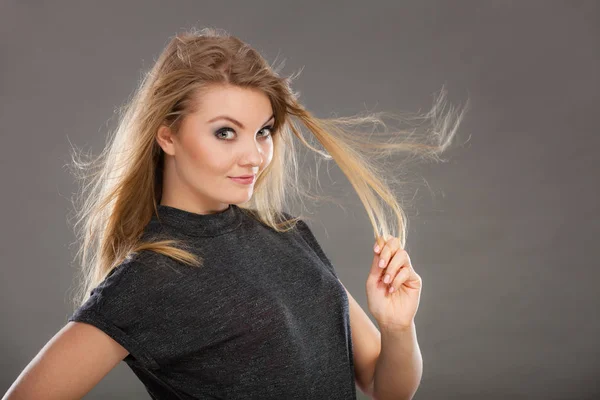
(207, 158)
(267, 152)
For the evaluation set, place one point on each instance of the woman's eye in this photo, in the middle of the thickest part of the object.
(270, 129)
(225, 130)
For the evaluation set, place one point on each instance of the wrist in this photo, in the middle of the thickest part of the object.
(397, 329)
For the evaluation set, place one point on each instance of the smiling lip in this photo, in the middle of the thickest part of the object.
(244, 179)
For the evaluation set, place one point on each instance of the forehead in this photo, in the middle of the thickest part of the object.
(241, 103)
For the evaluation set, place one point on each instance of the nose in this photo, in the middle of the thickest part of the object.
(253, 153)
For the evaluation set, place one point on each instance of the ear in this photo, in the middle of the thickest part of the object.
(164, 138)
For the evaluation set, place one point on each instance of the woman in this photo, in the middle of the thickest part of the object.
(192, 272)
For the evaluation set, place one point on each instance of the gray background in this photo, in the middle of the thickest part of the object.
(503, 236)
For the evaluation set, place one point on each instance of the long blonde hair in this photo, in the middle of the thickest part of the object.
(121, 188)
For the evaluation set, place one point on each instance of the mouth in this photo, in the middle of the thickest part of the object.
(244, 179)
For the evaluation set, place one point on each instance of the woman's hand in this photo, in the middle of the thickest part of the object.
(393, 310)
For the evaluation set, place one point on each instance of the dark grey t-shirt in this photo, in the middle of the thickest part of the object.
(265, 317)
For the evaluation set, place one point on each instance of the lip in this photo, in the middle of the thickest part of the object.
(245, 179)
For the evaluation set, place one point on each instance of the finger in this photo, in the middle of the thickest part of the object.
(379, 243)
(378, 246)
(398, 261)
(375, 272)
(400, 278)
(390, 248)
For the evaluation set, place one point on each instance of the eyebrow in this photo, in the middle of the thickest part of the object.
(238, 123)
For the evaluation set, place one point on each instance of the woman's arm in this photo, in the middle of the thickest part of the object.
(399, 366)
(69, 365)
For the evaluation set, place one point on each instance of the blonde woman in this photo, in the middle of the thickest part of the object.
(193, 273)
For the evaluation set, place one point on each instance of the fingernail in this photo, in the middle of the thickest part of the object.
(381, 263)
(387, 278)
(376, 248)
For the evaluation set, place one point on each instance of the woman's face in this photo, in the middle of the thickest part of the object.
(209, 149)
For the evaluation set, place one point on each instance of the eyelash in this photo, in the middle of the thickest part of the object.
(226, 129)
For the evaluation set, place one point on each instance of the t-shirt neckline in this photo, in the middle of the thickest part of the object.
(194, 224)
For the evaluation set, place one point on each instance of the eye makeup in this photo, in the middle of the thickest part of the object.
(222, 130)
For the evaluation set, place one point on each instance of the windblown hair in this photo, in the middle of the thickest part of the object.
(122, 187)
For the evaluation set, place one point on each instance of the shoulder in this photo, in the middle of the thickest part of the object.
(294, 219)
(300, 226)
(307, 235)
(143, 273)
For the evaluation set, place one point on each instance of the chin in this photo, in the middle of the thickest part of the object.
(240, 199)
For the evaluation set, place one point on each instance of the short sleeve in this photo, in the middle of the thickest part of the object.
(116, 306)
(310, 238)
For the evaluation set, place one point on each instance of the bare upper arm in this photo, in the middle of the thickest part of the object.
(69, 365)
(366, 342)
